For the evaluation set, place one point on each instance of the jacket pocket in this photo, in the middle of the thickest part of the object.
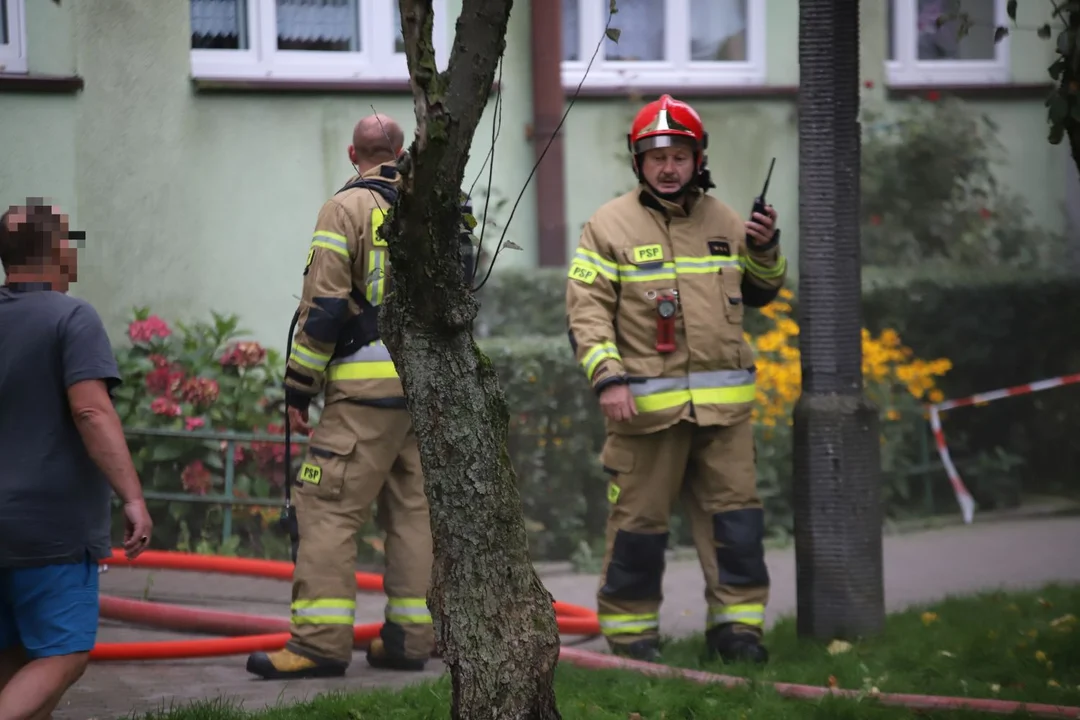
(326, 465)
(734, 309)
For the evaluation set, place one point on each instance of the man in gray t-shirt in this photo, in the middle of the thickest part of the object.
(62, 448)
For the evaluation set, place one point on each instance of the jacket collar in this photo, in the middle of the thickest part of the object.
(26, 286)
(669, 209)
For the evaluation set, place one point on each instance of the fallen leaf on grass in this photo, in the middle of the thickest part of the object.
(633, 716)
(946, 653)
(995, 688)
(838, 646)
(1040, 656)
(929, 617)
(1052, 683)
(1064, 620)
(1032, 633)
(1046, 603)
(833, 682)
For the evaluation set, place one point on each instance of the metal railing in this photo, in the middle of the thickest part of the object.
(925, 467)
(227, 498)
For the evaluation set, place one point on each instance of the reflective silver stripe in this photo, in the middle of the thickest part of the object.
(696, 380)
(373, 352)
(720, 378)
(324, 612)
(747, 618)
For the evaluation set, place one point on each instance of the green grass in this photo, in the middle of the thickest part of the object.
(990, 645)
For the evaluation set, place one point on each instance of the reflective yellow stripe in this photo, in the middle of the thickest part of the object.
(599, 353)
(714, 387)
(311, 359)
(377, 217)
(747, 614)
(408, 611)
(376, 282)
(334, 611)
(629, 624)
(597, 262)
(331, 241)
(371, 362)
(767, 273)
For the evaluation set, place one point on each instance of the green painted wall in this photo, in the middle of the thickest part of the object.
(198, 201)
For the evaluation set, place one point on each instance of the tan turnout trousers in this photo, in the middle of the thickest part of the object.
(359, 454)
(711, 470)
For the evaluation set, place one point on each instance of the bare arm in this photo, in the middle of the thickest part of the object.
(103, 435)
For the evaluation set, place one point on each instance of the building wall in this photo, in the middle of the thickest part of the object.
(195, 201)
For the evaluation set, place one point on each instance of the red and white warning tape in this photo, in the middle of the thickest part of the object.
(967, 502)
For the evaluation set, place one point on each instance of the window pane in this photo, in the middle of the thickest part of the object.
(718, 30)
(942, 43)
(571, 33)
(399, 35)
(218, 24)
(641, 23)
(326, 25)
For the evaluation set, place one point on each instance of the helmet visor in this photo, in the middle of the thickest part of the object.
(662, 141)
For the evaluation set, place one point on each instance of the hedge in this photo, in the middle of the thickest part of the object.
(997, 328)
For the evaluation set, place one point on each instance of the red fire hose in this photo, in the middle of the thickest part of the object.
(257, 633)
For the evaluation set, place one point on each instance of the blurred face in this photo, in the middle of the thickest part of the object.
(61, 266)
(668, 168)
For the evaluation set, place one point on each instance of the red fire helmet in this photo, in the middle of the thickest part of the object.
(661, 123)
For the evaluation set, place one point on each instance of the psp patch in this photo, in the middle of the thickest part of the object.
(311, 473)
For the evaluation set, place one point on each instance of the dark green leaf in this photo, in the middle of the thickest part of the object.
(1076, 110)
(1063, 42)
(261, 488)
(612, 7)
(1000, 34)
(1057, 133)
(1057, 68)
(613, 34)
(1044, 31)
(164, 451)
(1010, 9)
(1059, 109)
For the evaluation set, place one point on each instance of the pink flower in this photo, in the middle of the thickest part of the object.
(194, 423)
(869, 84)
(244, 354)
(165, 406)
(200, 391)
(148, 329)
(196, 478)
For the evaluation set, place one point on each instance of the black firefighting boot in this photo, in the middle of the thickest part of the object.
(647, 650)
(288, 665)
(387, 652)
(735, 644)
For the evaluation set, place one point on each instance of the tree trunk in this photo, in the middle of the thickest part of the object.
(494, 620)
(838, 516)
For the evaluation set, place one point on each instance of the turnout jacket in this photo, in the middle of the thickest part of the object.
(345, 280)
(639, 245)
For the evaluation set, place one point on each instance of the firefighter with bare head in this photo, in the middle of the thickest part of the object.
(655, 298)
(363, 449)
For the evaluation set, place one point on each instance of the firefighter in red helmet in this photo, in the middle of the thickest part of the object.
(674, 269)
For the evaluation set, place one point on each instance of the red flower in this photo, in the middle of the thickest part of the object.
(194, 423)
(868, 84)
(159, 361)
(986, 213)
(933, 96)
(875, 219)
(196, 478)
(146, 330)
(164, 381)
(165, 406)
(244, 354)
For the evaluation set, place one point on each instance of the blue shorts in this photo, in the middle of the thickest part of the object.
(50, 610)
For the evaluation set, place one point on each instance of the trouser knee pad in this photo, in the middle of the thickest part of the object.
(636, 569)
(741, 552)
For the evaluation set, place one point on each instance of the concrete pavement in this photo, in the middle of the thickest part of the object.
(920, 567)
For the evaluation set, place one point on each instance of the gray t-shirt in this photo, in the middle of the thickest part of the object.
(54, 502)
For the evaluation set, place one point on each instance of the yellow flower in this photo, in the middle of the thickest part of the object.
(929, 617)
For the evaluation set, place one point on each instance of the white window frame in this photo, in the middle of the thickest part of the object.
(13, 52)
(676, 70)
(376, 60)
(907, 70)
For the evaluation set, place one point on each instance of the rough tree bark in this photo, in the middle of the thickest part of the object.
(494, 620)
(838, 516)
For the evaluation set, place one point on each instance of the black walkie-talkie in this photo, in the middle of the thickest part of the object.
(759, 201)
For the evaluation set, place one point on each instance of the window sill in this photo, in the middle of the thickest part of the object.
(720, 92)
(285, 85)
(973, 91)
(40, 84)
